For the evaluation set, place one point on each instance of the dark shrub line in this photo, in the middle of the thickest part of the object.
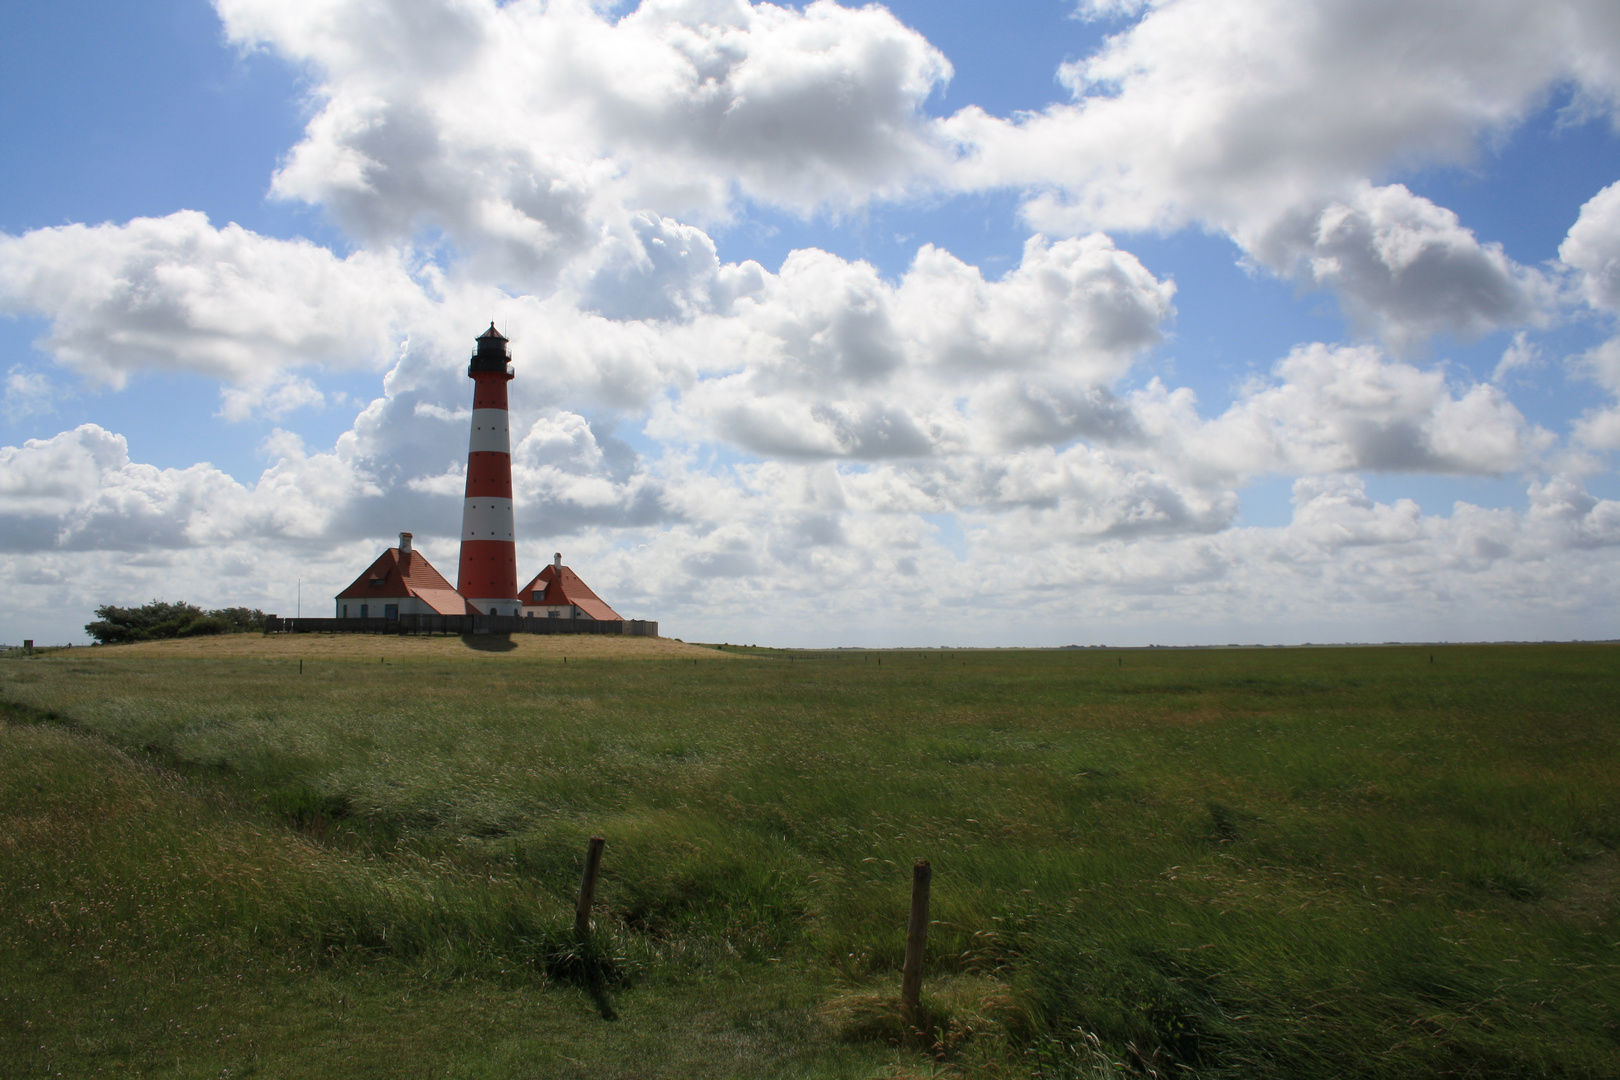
(158, 619)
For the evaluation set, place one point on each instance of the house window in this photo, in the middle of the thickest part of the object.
(365, 611)
(345, 611)
(553, 614)
(391, 611)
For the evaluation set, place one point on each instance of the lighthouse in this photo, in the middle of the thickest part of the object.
(488, 573)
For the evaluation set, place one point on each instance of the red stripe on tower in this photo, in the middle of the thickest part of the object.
(488, 575)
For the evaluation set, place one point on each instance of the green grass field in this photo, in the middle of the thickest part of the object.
(1225, 863)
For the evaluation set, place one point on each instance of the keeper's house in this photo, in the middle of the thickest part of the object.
(401, 582)
(558, 593)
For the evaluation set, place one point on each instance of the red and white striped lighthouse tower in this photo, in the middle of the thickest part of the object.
(488, 576)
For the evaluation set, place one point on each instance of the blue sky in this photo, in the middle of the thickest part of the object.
(1237, 319)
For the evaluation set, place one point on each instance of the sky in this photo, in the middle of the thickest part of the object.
(935, 323)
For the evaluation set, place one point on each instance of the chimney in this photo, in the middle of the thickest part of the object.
(404, 546)
(556, 562)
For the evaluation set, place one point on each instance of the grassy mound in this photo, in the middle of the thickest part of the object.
(314, 648)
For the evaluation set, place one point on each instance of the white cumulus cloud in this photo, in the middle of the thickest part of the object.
(833, 361)
(1232, 111)
(525, 131)
(1593, 248)
(819, 443)
(1346, 409)
(1272, 120)
(175, 293)
(1404, 268)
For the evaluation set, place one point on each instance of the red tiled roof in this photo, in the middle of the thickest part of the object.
(392, 577)
(567, 588)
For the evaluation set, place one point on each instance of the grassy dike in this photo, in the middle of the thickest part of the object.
(1246, 863)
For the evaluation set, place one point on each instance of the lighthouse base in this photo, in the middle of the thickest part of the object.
(497, 605)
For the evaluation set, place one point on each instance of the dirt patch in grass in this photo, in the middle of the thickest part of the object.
(1591, 890)
(393, 646)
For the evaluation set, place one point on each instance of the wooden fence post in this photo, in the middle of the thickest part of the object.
(587, 889)
(916, 934)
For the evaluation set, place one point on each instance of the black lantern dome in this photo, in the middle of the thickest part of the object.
(491, 354)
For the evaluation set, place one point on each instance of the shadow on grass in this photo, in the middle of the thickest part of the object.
(959, 1014)
(489, 642)
(588, 965)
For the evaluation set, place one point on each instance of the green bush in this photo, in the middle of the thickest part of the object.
(159, 619)
(239, 620)
(208, 624)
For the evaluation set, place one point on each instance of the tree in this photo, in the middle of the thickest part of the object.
(239, 620)
(159, 619)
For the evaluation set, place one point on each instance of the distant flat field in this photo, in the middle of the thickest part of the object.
(396, 646)
(1380, 863)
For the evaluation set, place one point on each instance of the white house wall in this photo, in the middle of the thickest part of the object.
(489, 606)
(565, 611)
(408, 605)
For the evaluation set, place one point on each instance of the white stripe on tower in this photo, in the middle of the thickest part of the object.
(488, 573)
(489, 432)
(487, 519)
